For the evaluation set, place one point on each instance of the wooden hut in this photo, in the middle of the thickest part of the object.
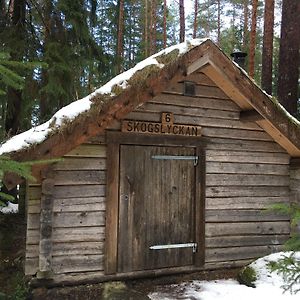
(168, 168)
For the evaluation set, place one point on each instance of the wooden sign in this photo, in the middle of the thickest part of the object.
(166, 126)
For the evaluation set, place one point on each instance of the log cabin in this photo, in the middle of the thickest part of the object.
(168, 168)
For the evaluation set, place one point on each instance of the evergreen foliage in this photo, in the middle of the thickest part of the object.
(22, 169)
(289, 268)
(289, 265)
(247, 276)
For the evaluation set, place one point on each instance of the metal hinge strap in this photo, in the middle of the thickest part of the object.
(177, 157)
(175, 246)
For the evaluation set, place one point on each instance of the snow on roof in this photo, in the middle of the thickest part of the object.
(38, 134)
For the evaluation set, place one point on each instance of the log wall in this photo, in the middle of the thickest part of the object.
(295, 185)
(78, 213)
(246, 171)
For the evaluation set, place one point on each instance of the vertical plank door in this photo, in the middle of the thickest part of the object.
(156, 207)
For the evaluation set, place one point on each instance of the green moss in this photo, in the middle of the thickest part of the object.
(116, 89)
(247, 276)
(139, 77)
(168, 58)
(112, 290)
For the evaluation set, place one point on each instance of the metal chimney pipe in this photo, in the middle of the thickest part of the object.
(239, 57)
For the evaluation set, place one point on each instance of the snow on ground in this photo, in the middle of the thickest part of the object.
(268, 286)
(38, 134)
(11, 208)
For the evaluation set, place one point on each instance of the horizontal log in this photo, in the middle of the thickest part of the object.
(232, 133)
(246, 168)
(243, 215)
(81, 164)
(88, 150)
(77, 263)
(237, 253)
(244, 240)
(243, 145)
(184, 109)
(64, 248)
(70, 219)
(79, 204)
(69, 235)
(200, 90)
(246, 180)
(247, 157)
(73, 191)
(76, 219)
(227, 264)
(243, 202)
(247, 191)
(195, 101)
(75, 177)
(72, 205)
(254, 228)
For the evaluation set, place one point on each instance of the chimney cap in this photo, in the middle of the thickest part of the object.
(238, 53)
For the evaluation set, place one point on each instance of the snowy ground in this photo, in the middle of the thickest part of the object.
(9, 209)
(268, 286)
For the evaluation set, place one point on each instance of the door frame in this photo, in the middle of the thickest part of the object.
(114, 140)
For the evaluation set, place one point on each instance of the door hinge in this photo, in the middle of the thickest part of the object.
(175, 246)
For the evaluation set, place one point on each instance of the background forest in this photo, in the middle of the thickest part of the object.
(53, 52)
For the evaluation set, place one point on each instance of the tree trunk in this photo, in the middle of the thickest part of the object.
(153, 27)
(120, 36)
(252, 39)
(245, 25)
(288, 72)
(13, 110)
(267, 55)
(146, 29)
(165, 24)
(219, 22)
(182, 21)
(195, 27)
(45, 110)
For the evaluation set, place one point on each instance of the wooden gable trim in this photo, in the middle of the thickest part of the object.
(240, 88)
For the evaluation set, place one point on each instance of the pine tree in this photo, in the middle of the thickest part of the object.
(253, 38)
(267, 56)
(288, 73)
(182, 21)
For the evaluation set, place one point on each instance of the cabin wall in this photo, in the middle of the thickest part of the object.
(295, 185)
(246, 171)
(78, 213)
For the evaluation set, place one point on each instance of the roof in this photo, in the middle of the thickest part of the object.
(87, 117)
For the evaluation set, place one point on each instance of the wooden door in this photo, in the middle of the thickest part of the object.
(156, 207)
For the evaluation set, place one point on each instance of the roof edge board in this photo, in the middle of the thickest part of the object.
(243, 91)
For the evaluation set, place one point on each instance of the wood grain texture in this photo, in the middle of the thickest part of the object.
(249, 228)
(155, 208)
